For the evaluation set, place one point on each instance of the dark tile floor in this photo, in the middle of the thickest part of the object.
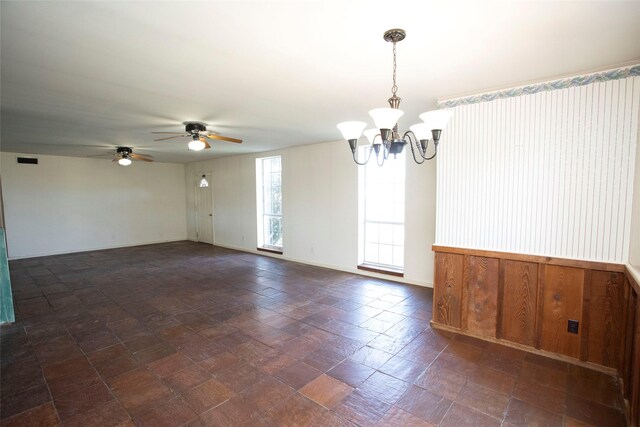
(189, 334)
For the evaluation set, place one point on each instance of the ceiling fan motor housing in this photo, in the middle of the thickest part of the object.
(123, 150)
(195, 127)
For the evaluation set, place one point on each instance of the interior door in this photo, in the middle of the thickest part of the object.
(204, 210)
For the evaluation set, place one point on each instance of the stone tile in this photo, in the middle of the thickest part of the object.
(57, 350)
(266, 393)
(326, 391)
(443, 381)
(117, 366)
(107, 414)
(595, 386)
(543, 375)
(234, 412)
(296, 410)
(396, 417)
(169, 365)
(96, 339)
(383, 387)
(106, 355)
(240, 377)
(220, 362)
(490, 378)
(388, 344)
(21, 376)
(82, 400)
(153, 353)
(207, 395)
(403, 369)
(361, 409)
(139, 390)
(199, 349)
(465, 351)
(143, 342)
(172, 413)
(520, 413)
(484, 400)
(323, 359)
(594, 413)
(550, 399)
(187, 378)
(44, 415)
(25, 400)
(331, 419)
(351, 373)
(371, 357)
(297, 375)
(424, 404)
(460, 416)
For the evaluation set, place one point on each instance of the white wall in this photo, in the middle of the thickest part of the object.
(69, 204)
(634, 246)
(545, 174)
(320, 207)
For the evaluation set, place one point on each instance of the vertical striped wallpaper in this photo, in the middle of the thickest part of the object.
(546, 174)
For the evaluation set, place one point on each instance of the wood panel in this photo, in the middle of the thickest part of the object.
(519, 301)
(562, 301)
(635, 380)
(628, 369)
(569, 262)
(480, 294)
(448, 294)
(606, 318)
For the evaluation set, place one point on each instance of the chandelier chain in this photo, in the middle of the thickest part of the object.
(394, 88)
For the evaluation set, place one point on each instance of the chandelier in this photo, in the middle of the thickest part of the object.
(385, 138)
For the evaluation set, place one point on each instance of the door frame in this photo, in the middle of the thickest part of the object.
(196, 200)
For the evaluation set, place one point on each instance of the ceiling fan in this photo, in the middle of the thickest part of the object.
(198, 133)
(124, 155)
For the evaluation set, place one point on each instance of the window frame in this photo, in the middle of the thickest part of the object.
(365, 262)
(262, 204)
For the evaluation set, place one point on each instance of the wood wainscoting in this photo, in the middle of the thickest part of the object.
(527, 301)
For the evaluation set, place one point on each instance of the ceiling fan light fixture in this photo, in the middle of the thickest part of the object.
(196, 145)
(203, 182)
(125, 161)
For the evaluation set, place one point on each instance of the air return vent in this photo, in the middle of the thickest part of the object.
(28, 160)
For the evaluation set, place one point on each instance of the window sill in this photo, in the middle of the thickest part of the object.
(381, 270)
(270, 250)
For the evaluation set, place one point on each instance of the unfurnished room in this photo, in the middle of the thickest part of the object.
(319, 213)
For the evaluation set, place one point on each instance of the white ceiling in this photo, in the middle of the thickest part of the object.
(79, 78)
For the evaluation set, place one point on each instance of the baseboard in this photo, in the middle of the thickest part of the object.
(330, 267)
(97, 248)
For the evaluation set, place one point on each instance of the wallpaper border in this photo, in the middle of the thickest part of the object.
(620, 73)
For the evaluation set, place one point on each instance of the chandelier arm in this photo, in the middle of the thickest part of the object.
(408, 135)
(435, 147)
(384, 155)
(366, 161)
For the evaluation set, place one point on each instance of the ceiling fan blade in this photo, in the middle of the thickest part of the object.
(171, 137)
(171, 133)
(139, 157)
(115, 159)
(225, 138)
(142, 155)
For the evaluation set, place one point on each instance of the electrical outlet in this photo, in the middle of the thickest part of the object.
(572, 326)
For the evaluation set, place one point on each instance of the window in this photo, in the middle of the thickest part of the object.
(269, 202)
(382, 214)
